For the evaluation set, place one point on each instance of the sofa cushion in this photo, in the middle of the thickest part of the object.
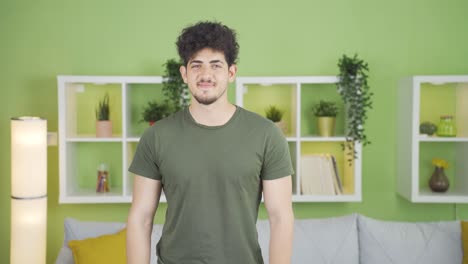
(387, 242)
(79, 230)
(263, 230)
(327, 240)
(464, 230)
(102, 249)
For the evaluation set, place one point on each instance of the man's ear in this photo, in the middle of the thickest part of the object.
(232, 72)
(183, 73)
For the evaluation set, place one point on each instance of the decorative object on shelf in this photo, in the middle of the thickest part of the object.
(174, 89)
(439, 181)
(275, 115)
(102, 185)
(28, 190)
(155, 111)
(325, 112)
(354, 89)
(103, 122)
(446, 127)
(427, 128)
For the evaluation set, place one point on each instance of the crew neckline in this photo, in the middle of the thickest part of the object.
(190, 118)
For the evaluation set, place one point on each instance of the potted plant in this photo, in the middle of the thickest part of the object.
(439, 181)
(325, 112)
(155, 111)
(174, 89)
(103, 122)
(354, 89)
(275, 115)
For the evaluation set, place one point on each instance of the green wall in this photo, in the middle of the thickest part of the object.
(42, 39)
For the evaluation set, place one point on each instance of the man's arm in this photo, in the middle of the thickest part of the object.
(146, 194)
(278, 202)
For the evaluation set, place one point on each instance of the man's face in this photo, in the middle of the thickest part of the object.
(207, 75)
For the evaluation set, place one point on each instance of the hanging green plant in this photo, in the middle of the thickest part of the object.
(175, 90)
(354, 89)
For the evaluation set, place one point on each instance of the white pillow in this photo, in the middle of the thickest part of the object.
(403, 242)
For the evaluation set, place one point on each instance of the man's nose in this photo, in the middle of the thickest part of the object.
(206, 72)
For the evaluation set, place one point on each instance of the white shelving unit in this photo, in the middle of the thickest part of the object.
(299, 138)
(80, 152)
(72, 140)
(426, 98)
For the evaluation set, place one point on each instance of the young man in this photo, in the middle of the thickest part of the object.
(213, 160)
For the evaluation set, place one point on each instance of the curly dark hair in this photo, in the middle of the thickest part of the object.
(208, 35)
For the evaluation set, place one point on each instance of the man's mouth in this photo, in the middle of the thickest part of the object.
(205, 85)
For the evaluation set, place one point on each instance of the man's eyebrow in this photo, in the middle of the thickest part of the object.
(213, 61)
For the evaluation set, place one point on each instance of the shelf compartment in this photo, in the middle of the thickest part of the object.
(91, 138)
(138, 96)
(258, 97)
(455, 154)
(345, 169)
(82, 100)
(451, 196)
(83, 159)
(311, 94)
(131, 149)
(293, 153)
(442, 139)
(323, 139)
(445, 99)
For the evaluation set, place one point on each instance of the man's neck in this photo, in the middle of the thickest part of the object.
(216, 114)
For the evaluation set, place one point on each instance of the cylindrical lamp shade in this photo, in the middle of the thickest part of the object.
(28, 231)
(28, 190)
(28, 157)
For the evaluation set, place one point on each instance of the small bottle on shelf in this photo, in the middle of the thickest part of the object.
(102, 185)
(446, 127)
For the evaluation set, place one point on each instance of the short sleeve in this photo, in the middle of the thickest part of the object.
(277, 160)
(144, 162)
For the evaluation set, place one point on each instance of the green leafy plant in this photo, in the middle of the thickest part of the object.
(325, 109)
(103, 109)
(274, 114)
(174, 89)
(155, 111)
(354, 89)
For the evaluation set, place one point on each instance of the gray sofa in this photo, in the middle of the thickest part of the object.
(347, 239)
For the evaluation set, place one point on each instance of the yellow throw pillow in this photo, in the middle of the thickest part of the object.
(103, 249)
(464, 230)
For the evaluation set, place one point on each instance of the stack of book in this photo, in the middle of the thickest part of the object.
(319, 175)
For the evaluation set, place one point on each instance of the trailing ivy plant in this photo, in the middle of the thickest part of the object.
(175, 90)
(354, 90)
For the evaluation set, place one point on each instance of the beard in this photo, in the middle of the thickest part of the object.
(207, 100)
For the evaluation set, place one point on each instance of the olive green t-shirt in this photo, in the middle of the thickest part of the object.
(212, 178)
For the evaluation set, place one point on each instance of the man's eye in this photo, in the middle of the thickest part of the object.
(216, 66)
(195, 66)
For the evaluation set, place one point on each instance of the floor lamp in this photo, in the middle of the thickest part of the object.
(28, 190)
